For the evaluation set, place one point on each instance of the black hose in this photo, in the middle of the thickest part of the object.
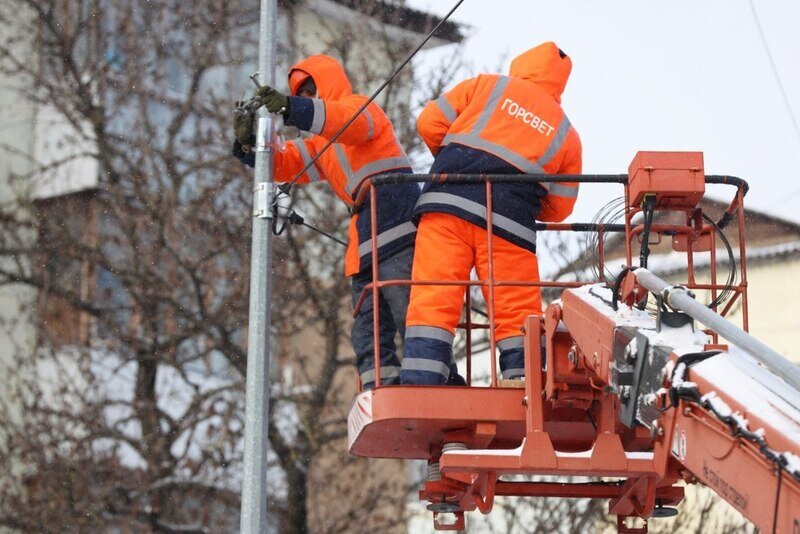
(727, 217)
(649, 211)
(617, 285)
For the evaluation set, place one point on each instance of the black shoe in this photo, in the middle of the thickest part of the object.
(456, 379)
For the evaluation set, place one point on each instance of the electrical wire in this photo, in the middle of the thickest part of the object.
(727, 291)
(610, 213)
(775, 70)
(777, 500)
(782, 89)
(292, 217)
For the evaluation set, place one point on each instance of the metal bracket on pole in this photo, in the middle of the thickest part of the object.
(262, 200)
(266, 137)
(263, 132)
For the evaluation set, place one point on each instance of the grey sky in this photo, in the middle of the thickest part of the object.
(647, 75)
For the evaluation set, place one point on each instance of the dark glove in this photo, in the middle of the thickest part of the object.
(243, 123)
(273, 100)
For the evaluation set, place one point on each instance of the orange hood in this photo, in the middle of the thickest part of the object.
(328, 75)
(545, 66)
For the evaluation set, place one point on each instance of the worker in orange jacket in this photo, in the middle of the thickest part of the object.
(321, 102)
(490, 124)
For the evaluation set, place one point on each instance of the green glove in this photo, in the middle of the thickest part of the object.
(243, 123)
(273, 100)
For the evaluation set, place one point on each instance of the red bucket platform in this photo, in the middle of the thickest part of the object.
(411, 422)
(473, 436)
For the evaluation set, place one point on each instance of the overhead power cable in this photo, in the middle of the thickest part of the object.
(294, 218)
(775, 70)
(786, 103)
(286, 188)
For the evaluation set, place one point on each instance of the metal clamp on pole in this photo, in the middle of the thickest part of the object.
(262, 200)
(263, 132)
(266, 136)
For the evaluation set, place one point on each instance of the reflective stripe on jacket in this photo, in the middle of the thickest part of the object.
(506, 125)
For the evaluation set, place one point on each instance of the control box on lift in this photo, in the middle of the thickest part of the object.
(675, 178)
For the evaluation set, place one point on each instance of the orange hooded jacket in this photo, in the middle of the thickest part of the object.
(367, 147)
(507, 124)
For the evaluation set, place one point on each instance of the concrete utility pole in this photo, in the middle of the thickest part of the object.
(254, 477)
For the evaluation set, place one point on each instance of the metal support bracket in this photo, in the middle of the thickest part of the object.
(263, 130)
(457, 525)
(638, 361)
(262, 200)
(636, 376)
(266, 136)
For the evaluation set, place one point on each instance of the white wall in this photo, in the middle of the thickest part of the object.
(774, 305)
(16, 141)
(59, 144)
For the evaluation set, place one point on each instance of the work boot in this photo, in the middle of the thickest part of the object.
(455, 379)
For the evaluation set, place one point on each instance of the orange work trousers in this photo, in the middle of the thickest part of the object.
(447, 247)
